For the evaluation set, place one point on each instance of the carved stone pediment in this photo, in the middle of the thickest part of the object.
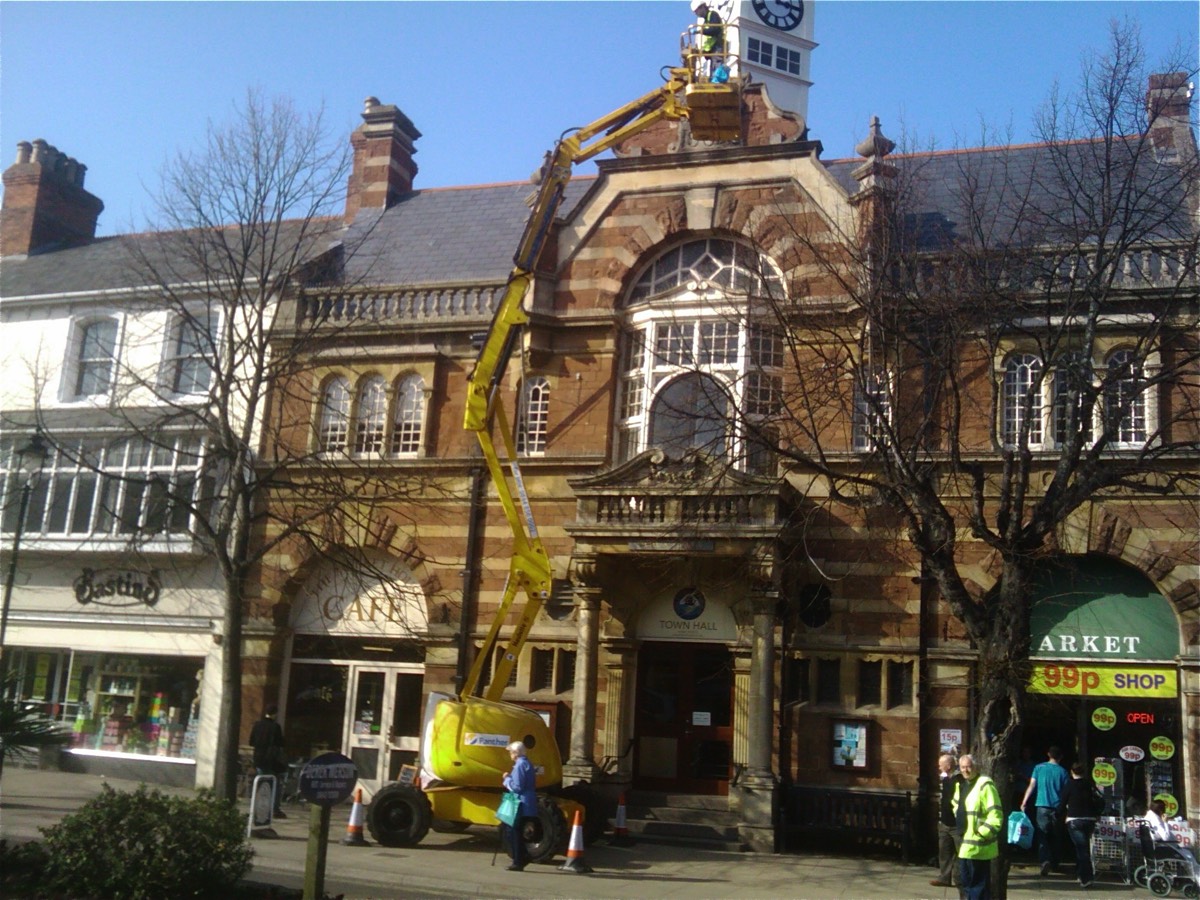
(654, 471)
(694, 493)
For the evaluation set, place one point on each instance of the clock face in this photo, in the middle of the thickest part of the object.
(782, 14)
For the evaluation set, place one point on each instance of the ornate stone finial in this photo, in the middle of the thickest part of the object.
(370, 103)
(876, 146)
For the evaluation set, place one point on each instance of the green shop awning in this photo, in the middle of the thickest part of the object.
(1091, 607)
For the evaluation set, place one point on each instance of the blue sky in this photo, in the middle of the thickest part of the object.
(123, 86)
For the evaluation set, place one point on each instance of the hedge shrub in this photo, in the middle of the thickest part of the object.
(147, 845)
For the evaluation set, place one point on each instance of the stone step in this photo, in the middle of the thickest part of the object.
(686, 820)
(680, 801)
(683, 834)
(682, 815)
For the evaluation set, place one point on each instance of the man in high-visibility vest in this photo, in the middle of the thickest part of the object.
(712, 34)
(980, 820)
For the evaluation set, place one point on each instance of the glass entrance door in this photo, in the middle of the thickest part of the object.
(383, 722)
(684, 719)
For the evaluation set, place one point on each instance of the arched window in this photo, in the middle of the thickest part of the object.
(335, 416)
(533, 417)
(410, 416)
(713, 261)
(1125, 401)
(370, 417)
(96, 358)
(1021, 400)
(691, 413)
(695, 333)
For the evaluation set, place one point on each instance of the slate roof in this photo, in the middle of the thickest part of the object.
(121, 262)
(468, 234)
(101, 265)
(1021, 190)
(434, 236)
(445, 235)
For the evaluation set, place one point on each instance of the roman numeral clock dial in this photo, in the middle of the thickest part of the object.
(782, 14)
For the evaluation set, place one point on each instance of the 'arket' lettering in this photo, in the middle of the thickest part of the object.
(1112, 644)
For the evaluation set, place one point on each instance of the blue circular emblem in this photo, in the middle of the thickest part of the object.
(689, 604)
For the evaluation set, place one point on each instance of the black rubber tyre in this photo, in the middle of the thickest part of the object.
(445, 826)
(1159, 884)
(1191, 890)
(548, 835)
(399, 816)
(1140, 875)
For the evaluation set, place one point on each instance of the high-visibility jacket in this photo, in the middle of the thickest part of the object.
(712, 34)
(984, 818)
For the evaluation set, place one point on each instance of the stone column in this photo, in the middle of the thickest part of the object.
(756, 789)
(618, 716)
(760, 729)
(580, 764)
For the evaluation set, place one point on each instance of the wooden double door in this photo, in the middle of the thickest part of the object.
(683, 723)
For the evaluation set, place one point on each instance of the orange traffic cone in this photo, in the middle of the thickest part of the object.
(575, 861)
(354, 828)
(620, 836)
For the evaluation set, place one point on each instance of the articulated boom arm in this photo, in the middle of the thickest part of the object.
(715, 114)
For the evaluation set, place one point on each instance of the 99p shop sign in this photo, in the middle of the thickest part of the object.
(1103, 681)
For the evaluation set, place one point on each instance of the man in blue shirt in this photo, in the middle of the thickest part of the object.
(1047, 783)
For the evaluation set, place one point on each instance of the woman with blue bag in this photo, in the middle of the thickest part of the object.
(520, 781)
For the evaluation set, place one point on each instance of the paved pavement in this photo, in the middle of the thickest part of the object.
(466, 865)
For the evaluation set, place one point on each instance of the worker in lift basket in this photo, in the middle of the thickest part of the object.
(712, 39)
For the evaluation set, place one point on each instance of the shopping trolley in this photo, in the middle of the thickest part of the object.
(1114, 849)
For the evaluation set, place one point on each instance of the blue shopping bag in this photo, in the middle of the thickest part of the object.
(509, 808)
(1020, 829)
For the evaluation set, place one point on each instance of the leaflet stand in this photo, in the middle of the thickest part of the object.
(262, 808)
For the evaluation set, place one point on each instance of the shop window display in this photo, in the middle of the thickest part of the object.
(147, 705)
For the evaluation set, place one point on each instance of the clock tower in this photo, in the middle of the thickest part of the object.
(772, 41)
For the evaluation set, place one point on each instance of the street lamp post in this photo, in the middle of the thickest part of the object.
(30, 460)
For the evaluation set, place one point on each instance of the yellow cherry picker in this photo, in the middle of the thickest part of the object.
(464, 736)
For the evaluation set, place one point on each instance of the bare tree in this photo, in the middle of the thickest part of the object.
(1000, 336)
(245, 225)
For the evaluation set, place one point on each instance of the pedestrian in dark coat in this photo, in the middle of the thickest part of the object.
(270, 757)
(1079, 805)
(949, 837)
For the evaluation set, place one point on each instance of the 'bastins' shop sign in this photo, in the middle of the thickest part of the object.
(117, 587)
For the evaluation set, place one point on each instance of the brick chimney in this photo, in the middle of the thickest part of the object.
(45, 205)
(1168, 106)
(383, 158)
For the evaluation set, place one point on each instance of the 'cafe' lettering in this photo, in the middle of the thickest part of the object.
(1089, 643)
(360, 609)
